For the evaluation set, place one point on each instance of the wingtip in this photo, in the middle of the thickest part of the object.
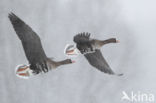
(120, 74)
(11, 15)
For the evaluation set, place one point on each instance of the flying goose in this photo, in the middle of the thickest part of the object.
(90, 48)
(38, 61)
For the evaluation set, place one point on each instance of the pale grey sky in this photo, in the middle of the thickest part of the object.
(56, 22)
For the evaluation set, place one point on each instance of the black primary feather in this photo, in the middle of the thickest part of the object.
(31, 44)
(82, 37)
(83, 42)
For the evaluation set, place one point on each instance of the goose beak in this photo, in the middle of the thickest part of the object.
(73, 61)
(117, 41)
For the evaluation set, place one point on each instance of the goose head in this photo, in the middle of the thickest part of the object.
(68, 61)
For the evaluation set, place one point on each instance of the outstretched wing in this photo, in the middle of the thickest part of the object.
(31, 44)
(82, 38)
(97, 60)
(83, 42)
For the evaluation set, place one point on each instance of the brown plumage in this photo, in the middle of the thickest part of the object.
(97, 44)
(32, 46)
(91, 50)
(86, 44)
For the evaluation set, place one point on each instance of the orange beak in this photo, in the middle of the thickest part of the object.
(73, 61)
(117, 41)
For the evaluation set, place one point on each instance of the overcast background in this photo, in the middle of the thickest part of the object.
(56, 22)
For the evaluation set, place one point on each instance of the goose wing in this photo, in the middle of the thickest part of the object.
(31, 44)
(97, 60)
(82, 41)
(82, 38)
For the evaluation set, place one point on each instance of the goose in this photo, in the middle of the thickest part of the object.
(38, 61)
(90, 48)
